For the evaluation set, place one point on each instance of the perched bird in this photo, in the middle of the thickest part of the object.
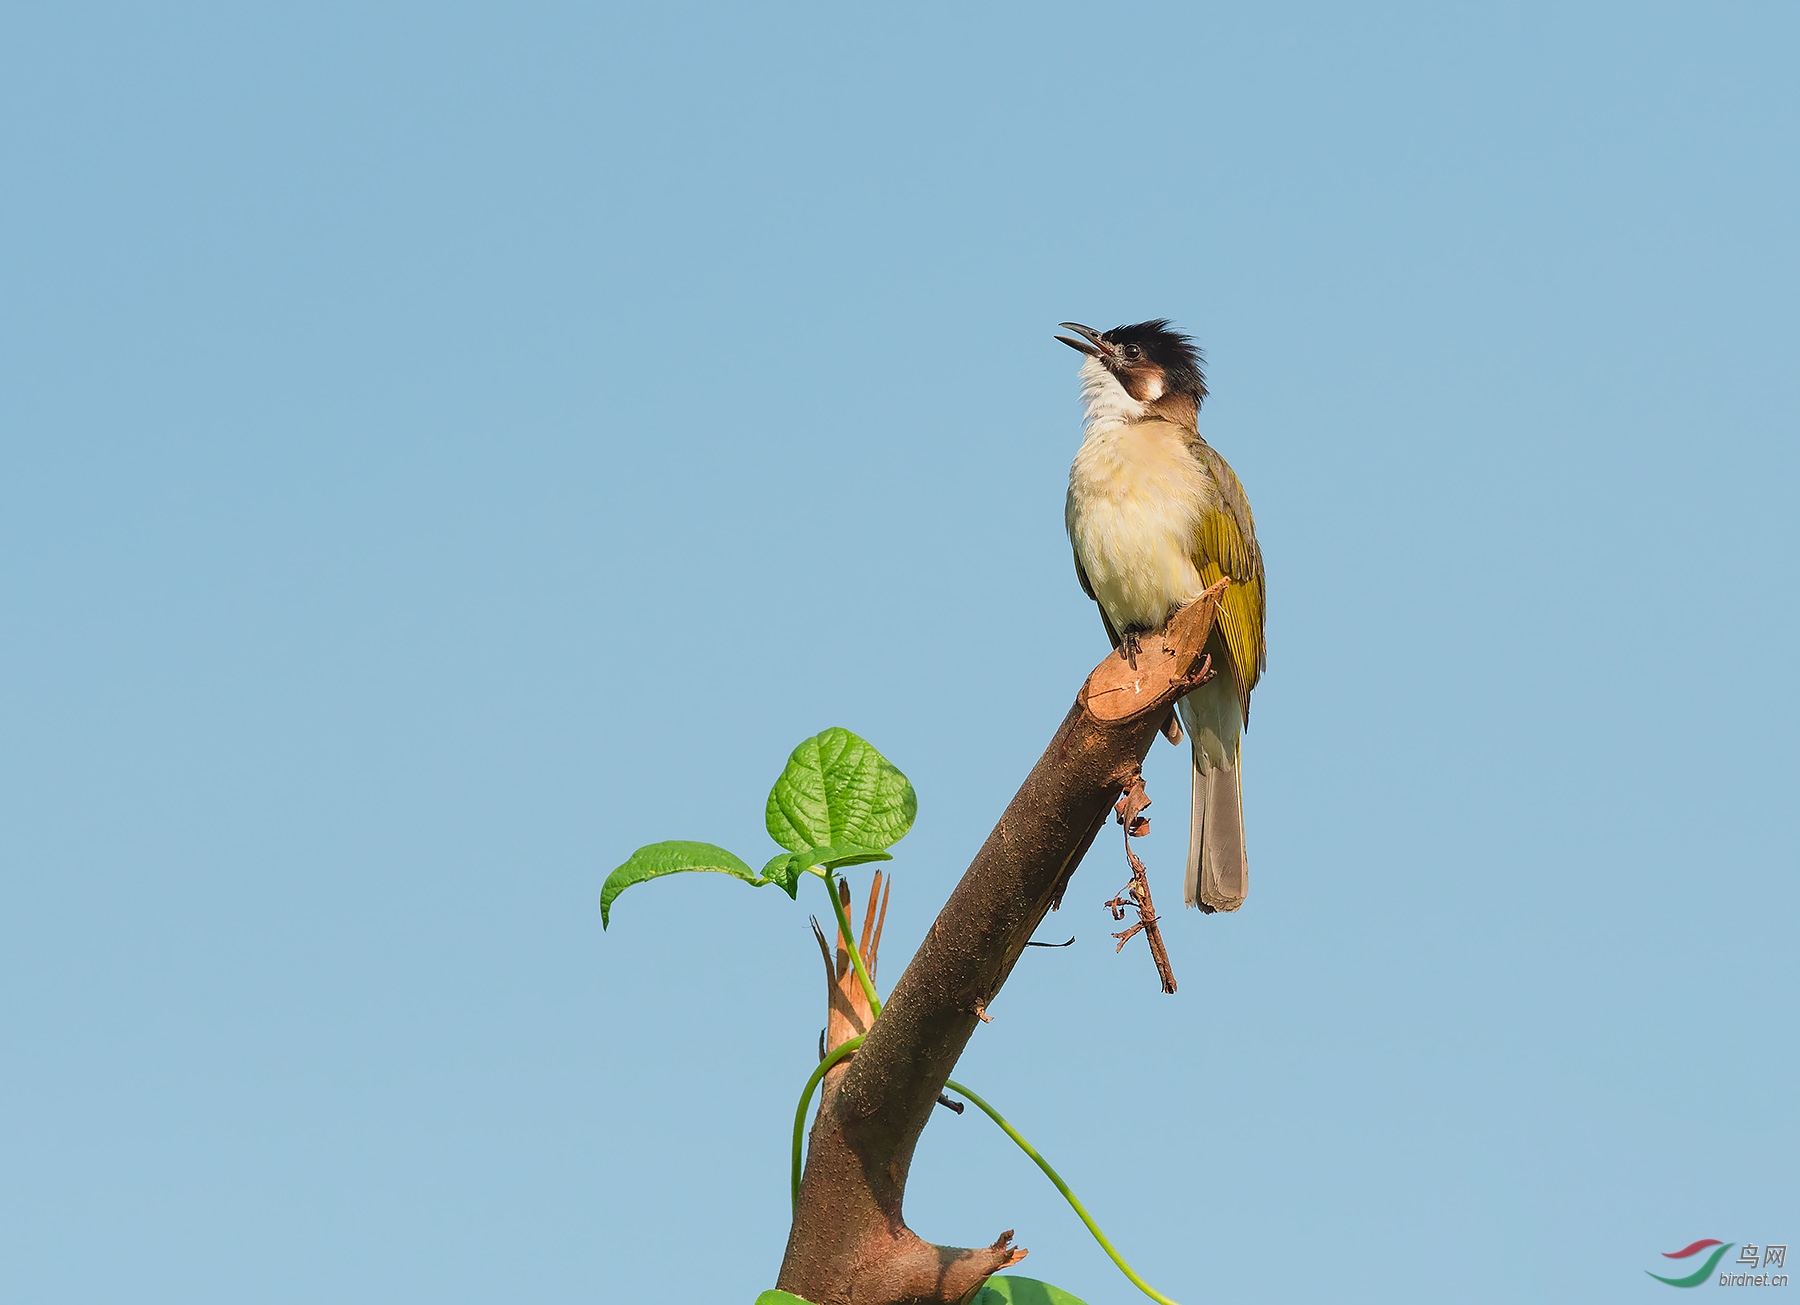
(1155, 516)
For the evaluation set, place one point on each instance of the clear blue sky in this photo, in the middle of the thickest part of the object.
(442, 449)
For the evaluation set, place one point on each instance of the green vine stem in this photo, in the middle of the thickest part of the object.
(1061, 1186)
(844, 1048)
(812, 1085)
(843, 921)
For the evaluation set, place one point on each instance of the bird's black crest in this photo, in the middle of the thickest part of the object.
(1182, 363)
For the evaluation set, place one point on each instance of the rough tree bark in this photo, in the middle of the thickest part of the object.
(849, 1244)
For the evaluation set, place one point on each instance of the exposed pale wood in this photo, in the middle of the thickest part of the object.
(1118, 691)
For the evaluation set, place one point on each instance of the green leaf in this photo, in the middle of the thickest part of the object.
(1011, 1289)
(830, 858)
(670, 858)
(773, 1297)
(780, 871)
(837, 789)
(785, 868)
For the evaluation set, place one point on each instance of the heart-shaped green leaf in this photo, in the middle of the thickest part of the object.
(1010, 1289)
(837, 789)
(670, 858)
(785, 868)
(773, 1297)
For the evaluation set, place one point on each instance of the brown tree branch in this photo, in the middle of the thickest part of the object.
(849, 1243)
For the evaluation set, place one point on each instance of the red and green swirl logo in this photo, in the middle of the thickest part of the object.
(1704, 1272)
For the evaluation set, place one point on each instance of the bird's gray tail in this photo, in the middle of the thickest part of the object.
(1218, 872)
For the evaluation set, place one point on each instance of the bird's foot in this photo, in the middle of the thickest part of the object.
(1129, 647)
(1199, 675)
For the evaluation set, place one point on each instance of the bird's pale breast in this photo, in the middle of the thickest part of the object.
(1136, 497)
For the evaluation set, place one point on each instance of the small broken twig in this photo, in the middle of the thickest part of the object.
(1136, 894)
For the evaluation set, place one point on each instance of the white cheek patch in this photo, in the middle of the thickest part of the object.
(1153, 387)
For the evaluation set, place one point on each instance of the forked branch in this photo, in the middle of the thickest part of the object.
(849, 1243)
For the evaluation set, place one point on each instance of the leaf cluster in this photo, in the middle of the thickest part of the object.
(838, 802)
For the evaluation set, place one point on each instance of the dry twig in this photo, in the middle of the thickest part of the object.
(1136, 894)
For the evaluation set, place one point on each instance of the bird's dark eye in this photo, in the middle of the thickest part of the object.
(1132, 351)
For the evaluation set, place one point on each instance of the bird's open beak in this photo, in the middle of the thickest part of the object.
(1091, 343)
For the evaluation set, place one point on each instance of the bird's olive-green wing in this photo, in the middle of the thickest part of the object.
(1088, 589)
(1227, 547)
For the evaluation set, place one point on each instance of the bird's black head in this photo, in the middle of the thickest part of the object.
(1155, 364)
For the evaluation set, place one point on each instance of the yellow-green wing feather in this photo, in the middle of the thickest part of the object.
(1227, 547)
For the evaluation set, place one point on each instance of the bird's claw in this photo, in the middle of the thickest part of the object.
(1200, 674)
(1128, 647)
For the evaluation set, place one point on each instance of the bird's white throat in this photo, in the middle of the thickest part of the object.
(1108, 403)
